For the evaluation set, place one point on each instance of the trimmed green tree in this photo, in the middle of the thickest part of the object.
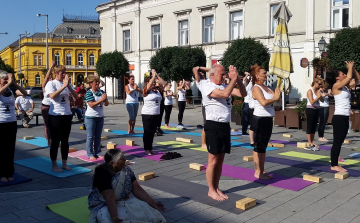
(176, 63)
(344, 47)
(6, 67)
(114, 65)
(243, 53)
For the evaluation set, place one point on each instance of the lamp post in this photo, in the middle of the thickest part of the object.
(47, 44)
(322, 49)
(4, 33)
(26, 33)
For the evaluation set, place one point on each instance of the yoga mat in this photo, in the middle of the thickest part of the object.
(165, 132)
(82, 154)
(193, 191)
(182, 145)
(75, 210)
(43, 165)
(78, 135)
(294, 184)
(37, 141)
(199, 134)
(174, 125)
(247, 146)
(355, 155)
(140, 152)
(18, 179)
(125, 133)
(318, 157)
(308, 165)
(293, 143)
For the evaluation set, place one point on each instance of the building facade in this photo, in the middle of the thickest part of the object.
(139, 28)
(75, 43)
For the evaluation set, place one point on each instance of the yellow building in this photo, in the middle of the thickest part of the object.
(75, 43)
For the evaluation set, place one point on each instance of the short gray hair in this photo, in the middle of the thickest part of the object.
(3, 74)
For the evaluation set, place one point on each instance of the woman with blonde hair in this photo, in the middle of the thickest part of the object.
(94, 117)
(60, 115)
(132, 102)
(8, 124)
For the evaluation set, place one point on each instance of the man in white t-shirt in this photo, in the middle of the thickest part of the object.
(25, 106)
(217, 126)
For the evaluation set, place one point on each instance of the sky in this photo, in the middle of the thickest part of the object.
(18, 16)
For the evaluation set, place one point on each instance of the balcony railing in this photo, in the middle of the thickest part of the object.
(80, 67)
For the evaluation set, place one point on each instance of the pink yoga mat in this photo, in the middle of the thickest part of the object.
(294, 184)
(81, 154)
(140, 152)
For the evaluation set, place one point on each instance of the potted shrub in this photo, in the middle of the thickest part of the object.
(188, 94)
(237, 110)
(301, 110)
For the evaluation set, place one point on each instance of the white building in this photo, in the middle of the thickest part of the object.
(139, 27)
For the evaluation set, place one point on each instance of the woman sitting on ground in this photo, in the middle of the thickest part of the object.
(116, 196)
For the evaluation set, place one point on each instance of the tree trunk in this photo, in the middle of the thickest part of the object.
(113, 91)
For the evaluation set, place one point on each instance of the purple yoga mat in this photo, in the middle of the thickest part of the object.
(294, 184)
(140, 152)
(82, 154)
(292, 143)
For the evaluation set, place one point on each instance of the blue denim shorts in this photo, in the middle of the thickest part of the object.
(132, 109)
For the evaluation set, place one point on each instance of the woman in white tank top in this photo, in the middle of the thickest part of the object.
(182, 87)
(341, 116)
(168, 103)
(324, 110)
(132, 102)
(262, 121)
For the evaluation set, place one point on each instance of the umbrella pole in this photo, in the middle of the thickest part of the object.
(283, 100)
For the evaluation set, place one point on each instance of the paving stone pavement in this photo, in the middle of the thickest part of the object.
(331, 201)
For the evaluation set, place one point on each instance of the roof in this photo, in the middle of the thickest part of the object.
(77, 29)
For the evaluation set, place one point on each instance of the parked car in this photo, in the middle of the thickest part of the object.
(34, 92)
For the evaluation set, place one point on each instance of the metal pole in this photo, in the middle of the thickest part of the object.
(47, 44)
(20, 56)
(86, 64)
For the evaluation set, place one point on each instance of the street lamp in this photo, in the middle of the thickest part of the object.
(26, 33)
(4, 33)
(322, 45)
(47, 47)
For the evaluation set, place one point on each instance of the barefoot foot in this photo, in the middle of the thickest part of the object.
(92, 158)
(222, 194)
(338, 168)
(3, 179)
(101, 157)
(271, 177)
(65, 167)
(148, 152)
(56, 169)
(11, 179)
(203, 146)
(215, 196)
(261, 176)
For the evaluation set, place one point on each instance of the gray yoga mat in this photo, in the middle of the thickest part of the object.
(194, 191)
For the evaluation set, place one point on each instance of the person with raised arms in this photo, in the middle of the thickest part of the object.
(168, 103)
(132, 102)
(182, 87)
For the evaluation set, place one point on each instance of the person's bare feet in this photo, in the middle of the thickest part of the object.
(261, 176)
(65, 167)
(215, 196)
(4, 180)
(101, 157)
(92, 158)
(152, 152)
(204, 146)
(56, 169)
(148, 152)
(271, 177)
(167, 126)
(338, 168)
(222, 194)
(10, 179)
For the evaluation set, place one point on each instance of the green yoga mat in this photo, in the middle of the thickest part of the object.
(318, 157)
(75, 210)
(182, 145)
(171, 128)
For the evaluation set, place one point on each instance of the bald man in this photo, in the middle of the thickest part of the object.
(217, 126)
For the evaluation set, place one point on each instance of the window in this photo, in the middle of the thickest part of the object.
(340, 13)
(68, 30)
(208, 29)
(80, 59)
(184, 33)
(68, 59)
(236, 25)
(37, 79)
(155, 37)
(35, 60)
(126, 41)
(39, 60)
(91, 30)
(57, 59)
(273, 22)
(92, 60)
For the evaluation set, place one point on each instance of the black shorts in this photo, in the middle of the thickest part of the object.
(203, 113)
(262, 127)
(217, 135)
(312, 117)
(251, 112)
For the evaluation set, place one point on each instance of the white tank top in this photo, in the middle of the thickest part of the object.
(263, 111)
(133, 97)
(181, 95)
(325, 103)
(342, 102)
(151, 103)
(7, 108)
(316, 104)
(97, 111)
(168, 100)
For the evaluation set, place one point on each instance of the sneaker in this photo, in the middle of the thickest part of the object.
(157, 133)
(310, 147)
(314, 148)
(179, 127)
(245, 133)
(160, 130)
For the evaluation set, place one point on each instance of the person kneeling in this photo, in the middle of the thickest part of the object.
(116, 196)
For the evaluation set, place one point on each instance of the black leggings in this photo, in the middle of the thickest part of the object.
(8, 132)
(340, 125)
(181, 106)
(149, 124)
(312, 117)
(324, 115)
(262, 127)
(168, 109)
(60, 127)
(162, 108)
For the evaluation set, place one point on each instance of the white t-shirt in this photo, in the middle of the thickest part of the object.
(168, 100)
(24, 104)
(216, 109)
(152, 103)
(181, 95)
(199, 86)
(248, 88)
(61, 104)
(7, 108)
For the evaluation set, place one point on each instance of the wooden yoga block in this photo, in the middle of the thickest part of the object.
(347, 141)
(315, 179)
(196, 166)
(341, 175)
(146, 176)
(104, 138)
(111, 146)
(130, 142)
(248, 158)
(71, 150)
(235, 130)
(107, 130)
(28, 137)
(245, 203)
(302, 145)
(277, 145)
(127, 162)
(184, 140)
(287, 135)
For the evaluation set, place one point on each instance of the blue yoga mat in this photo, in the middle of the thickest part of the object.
(43, 164)
(18, 179)
(355, 155)
(38, 141)
(248, 146)
(199, 134)
(164, 131)
(125, 133)
(174, 125)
